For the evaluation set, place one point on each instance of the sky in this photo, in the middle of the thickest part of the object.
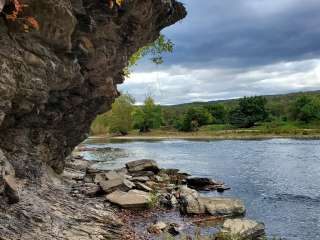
(233, 48)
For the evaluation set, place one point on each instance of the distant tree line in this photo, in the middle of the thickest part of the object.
(246, 112)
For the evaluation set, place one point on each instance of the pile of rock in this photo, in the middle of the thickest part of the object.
(142, 184)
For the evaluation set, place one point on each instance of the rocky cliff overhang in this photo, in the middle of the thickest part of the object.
(55, 80)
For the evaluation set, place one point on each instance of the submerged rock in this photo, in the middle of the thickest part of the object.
(134, 199)
(241, 229)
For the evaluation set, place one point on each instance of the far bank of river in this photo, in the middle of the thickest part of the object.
(215, 135)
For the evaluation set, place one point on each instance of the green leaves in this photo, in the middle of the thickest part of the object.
(147, 117)
(249, 111)
(154, 50)
(306, 109)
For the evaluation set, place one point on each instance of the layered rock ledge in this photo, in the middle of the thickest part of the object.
(53, 82)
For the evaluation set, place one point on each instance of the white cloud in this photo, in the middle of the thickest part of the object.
(179, 84)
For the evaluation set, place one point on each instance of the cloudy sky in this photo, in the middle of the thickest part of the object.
(233, 48)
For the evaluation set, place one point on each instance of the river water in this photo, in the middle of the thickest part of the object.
(278, 179)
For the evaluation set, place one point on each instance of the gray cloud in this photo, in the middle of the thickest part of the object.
(246, 32)
(232, 48)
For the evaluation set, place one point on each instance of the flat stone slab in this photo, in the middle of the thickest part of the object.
(143, 165)
(116, 184)
(242, 228)
(134, 199)
(226, 207)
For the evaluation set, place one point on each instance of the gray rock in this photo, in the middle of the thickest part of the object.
(140, 179)
(111, 175)
(192, 203)
(73, 174)
(143, 165)
(142, 174)
(227, 207)
(242, 229)
(116, 184)
(78, 164)
(143, 187)
(134, 199)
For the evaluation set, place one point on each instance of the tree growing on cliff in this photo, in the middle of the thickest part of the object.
(155, 50)
(249, 111)
(147, 117)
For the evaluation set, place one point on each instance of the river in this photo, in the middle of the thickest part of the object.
(278, 179)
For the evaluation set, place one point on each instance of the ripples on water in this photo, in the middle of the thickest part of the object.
(279, 179)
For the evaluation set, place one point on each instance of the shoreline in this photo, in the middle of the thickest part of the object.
(208, 137)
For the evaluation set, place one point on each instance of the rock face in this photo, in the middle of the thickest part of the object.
(55, 80)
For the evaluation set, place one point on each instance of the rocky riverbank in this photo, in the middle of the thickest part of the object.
(155, 203)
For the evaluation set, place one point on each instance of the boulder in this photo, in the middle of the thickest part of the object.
(122, 184)
(226, 207)
(134, 199)
(191, 205)
(241, 229)
(143, 165)
(189, 201)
